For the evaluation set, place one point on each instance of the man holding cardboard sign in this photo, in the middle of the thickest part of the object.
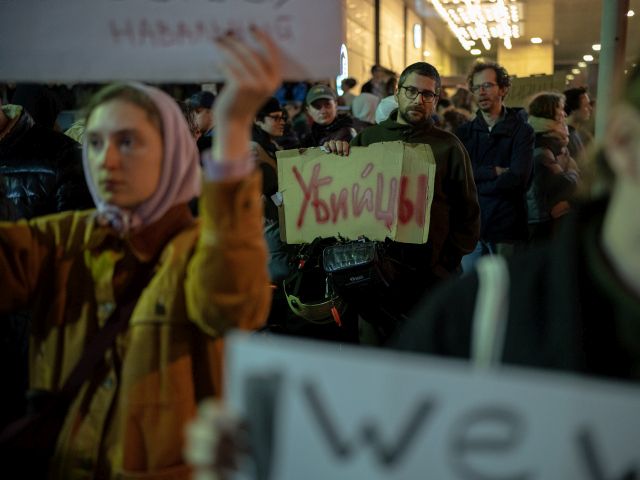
(455, 214)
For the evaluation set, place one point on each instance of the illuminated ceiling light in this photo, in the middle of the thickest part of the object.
(417, 35)
(570, 77)
(481, 20)
(575, 71)
(596, 47)
(630, 13)
(582, 64)
(588, 58)
(475, 51)
(536, 40)
(426, 53)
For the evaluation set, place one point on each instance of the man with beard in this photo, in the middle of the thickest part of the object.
(500, 143)
(455, 214)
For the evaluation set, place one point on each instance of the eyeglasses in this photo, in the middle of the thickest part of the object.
(277, 118)
(412, 93)
(484, 86)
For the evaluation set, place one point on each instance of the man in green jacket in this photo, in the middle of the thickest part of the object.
(455, 214)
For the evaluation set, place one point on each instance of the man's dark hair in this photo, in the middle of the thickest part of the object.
(350, 82)
(572, 99)
(421, 68)
(502, 76)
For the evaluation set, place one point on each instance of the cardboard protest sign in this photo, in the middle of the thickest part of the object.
(383, 190)
(318, 411)
(159, 40)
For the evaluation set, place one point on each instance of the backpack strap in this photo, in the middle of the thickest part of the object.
(491, 312)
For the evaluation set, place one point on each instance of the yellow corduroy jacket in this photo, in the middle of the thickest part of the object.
(210, 276)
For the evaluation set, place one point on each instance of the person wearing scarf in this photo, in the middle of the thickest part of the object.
(555, 173)
(207, 275)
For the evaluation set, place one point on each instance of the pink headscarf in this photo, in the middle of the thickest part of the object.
(179, 177)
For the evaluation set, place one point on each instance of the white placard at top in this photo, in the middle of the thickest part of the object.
(324, 411)
(159, 40)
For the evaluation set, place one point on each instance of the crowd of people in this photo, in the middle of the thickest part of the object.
(125, 258)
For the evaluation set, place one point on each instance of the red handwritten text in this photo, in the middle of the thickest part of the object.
(387, 202)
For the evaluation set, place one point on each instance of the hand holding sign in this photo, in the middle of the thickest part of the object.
(339, 147)
(252, 75)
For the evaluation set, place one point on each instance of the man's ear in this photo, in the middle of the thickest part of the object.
(622, 142)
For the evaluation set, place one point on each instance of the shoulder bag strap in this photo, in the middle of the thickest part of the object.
(103, 339)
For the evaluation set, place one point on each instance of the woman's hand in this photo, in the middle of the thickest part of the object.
(251, 76)
(215, 441)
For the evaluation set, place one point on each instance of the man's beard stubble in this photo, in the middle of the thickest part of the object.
(411, 121)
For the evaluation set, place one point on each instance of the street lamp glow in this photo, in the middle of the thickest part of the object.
(536, 40)
(596, 47)
(576, 71)
(475, 51)
(588, 58)
(582, 64)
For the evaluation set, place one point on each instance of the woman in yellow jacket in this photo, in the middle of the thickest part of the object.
(209, 275)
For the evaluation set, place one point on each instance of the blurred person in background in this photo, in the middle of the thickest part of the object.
(578, 108)
(463, 99)
(322, 107)
(363, 110)
(347, 85)
(555, 174)
(202, 103)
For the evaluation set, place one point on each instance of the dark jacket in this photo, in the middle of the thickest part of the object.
(42, 169)
(455, 216)
(502, 198)
(558, 297)
(340, 129)
(555, 178)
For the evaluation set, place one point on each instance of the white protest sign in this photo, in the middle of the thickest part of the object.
(159, 40)
(325, 411)
(381, 191)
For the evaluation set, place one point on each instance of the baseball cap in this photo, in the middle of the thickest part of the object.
(203, 99)
(320, 91)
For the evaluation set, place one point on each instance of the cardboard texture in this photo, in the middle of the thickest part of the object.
(381, 191)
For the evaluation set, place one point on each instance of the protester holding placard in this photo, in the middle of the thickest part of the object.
(117, 390)
(455, 219)
(572, 304)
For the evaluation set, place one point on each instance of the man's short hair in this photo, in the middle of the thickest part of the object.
(350, 82)
(502, 76)
(572, 99)
(421, 68)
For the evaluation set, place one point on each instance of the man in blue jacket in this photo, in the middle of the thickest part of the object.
(500, 144)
